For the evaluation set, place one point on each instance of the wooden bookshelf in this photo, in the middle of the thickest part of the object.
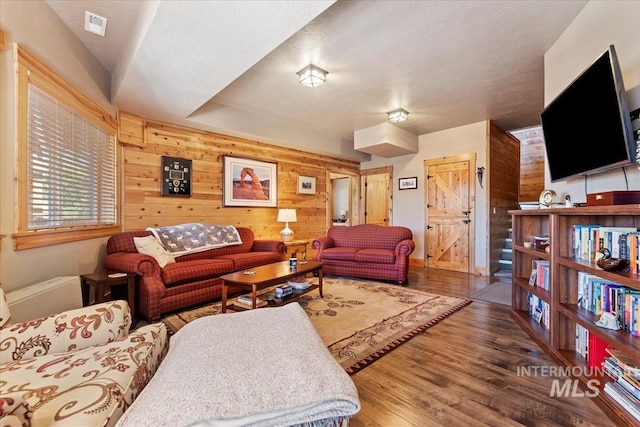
(564, 313)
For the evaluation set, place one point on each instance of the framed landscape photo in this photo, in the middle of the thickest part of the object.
(408, 183)
(306, 184)
(249, 182)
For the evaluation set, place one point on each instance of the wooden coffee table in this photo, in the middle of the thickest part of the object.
(270, 275)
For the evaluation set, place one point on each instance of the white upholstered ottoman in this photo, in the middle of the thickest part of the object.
(265, 367)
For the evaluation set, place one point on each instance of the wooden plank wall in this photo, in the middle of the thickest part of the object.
(503, 165)
(143, 206)
(531, 163)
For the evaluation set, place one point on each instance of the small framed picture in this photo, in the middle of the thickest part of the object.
(306, 184)
(408, 183)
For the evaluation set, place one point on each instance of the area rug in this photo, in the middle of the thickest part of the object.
(499, 293)
(359, 321)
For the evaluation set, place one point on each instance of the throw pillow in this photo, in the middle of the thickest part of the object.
(149, 245)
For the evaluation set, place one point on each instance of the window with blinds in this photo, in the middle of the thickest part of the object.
(67, 161)
(71, 168)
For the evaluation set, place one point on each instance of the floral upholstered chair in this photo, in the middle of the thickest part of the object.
(80, 367)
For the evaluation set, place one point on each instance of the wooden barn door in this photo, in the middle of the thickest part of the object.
(449, 215)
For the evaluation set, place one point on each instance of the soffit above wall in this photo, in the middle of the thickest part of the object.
(385, 140)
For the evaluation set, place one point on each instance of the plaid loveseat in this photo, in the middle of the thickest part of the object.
(193, 278)
(369, 251)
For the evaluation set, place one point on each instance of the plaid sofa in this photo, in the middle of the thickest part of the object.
(369, 251)
(193, 278)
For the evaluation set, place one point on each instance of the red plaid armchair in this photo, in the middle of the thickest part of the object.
(368, 251)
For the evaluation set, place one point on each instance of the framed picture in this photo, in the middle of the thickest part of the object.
(176, 177)
(306, 184)
(249, 183)
(408, 183)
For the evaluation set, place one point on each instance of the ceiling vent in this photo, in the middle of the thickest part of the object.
(95, 24)
(385, 140)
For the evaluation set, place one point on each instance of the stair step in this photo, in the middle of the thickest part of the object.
(503, 273)
(505, 262)
(507, 254)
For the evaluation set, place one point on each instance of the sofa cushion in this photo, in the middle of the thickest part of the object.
(192, 271)
(151, 246)
(378, 256)
(340, 254)
(89, 387)
(251, 259)
(369, 236)
(123, 242)
(66, 331)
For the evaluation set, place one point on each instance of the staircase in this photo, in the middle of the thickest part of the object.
(504, 273)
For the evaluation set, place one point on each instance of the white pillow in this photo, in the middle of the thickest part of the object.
(149, 245)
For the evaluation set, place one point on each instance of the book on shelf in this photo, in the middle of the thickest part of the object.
(618, 394)
(626, 363)
(596, 350)
(630, 384)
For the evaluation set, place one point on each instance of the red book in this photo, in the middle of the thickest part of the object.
(596, 351)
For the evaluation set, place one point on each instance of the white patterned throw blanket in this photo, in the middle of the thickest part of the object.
(195, 237)
(265, 367)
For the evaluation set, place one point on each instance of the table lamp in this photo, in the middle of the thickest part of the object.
(287, 216)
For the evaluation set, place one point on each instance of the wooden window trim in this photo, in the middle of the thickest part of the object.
(30, 71)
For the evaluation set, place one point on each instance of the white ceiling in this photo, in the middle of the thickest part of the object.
(230, 66)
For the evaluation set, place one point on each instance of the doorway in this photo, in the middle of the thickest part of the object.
(342, 199)
(375, 187)
(449, 213)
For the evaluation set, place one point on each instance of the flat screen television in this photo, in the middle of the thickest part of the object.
(587, 127)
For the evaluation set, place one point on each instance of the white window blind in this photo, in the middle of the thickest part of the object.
(71, 167)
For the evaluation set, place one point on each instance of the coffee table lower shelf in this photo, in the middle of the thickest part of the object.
(279, 301)
(266, 276)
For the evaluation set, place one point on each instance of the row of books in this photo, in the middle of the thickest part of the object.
(599, 295)
(538, 309)
(625, 389)
(622, 242)
(539, 274)
(592, 348)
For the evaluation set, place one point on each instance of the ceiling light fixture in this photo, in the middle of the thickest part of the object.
(312, 76)
(399, 115)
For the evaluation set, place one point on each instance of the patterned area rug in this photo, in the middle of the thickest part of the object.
(359, 321)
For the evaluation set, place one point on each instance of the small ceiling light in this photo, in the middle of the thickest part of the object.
(399, 115)
(312, 76)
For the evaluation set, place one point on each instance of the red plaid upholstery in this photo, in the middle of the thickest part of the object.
(193, 278)
(368, 251)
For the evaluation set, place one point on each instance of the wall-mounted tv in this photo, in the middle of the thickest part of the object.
(587, 127)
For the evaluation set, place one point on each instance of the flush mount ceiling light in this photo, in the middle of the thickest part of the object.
(312, 76)
(399, 115)
(94, 23)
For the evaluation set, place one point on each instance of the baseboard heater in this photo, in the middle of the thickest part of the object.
(45, 298)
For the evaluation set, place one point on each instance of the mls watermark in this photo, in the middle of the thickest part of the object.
(564, 379)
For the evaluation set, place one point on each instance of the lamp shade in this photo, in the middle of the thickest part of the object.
(287, 215)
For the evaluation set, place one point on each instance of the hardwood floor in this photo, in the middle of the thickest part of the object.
(463, 371)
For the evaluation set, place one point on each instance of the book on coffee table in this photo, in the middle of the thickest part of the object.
(244, 304)
(298, 283)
